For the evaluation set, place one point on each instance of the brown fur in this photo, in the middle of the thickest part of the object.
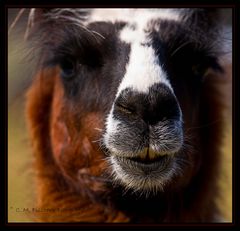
(69, 164)
(66, 203)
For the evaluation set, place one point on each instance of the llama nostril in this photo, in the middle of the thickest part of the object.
(159, 104)
(124, 109)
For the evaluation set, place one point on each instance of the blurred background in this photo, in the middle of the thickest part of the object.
(21, 195)
(21, 184)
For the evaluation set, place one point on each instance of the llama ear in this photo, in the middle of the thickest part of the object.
(43, 17)
(204, 18)
(210, 28)
(207, 20)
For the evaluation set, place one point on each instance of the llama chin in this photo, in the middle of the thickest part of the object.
(112, 112)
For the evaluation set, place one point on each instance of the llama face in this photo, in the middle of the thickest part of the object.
(140, 73)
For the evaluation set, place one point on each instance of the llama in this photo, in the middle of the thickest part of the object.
(124, 114)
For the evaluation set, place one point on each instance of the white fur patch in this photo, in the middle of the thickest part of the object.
(143, 70)
(141, 16)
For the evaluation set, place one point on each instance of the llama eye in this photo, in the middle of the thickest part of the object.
(199, 69)
(68, 68)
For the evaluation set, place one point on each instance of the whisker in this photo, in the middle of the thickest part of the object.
(98, 129)
(180, 47)
(204, 125)
(96, 141)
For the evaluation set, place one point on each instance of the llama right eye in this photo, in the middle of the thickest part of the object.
(68, 69)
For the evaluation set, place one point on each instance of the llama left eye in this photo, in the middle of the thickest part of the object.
(199, 69)
(68, 69)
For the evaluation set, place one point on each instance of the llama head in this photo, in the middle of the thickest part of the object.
(127, 91)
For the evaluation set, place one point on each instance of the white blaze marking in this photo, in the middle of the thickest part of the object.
(143, 70)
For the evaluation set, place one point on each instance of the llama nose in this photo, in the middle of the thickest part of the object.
(158, 104)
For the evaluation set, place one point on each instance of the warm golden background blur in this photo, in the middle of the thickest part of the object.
(21, 185)
(20, 158)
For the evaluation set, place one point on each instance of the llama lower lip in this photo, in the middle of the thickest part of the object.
(161, 162)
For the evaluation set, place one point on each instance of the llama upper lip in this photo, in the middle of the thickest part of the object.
(148, 156)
